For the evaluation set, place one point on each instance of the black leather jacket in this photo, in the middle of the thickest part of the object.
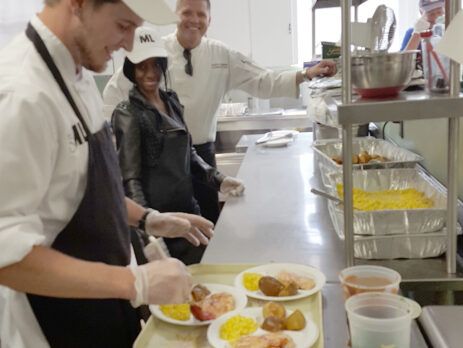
(140, 131)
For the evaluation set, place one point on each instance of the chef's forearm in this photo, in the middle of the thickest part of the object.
(47, 272)
(134, 211)
(413, 43)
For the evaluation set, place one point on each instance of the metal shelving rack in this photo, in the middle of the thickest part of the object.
(424, 274)
(318, 4)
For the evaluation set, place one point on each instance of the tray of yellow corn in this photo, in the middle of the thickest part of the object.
(367, 153)
(390, 202)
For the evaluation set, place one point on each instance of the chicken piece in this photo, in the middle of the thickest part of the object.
(302, 282)
(338, 160)
(269, 340)
(364, 157)
(355, 159)
(218, 304)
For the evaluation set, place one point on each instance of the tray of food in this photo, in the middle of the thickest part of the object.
(390, 201)
(293, 320)
(368, 153)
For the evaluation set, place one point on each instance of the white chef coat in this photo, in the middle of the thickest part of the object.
(43, 169)
(217, 69)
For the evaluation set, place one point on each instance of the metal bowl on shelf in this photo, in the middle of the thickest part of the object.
(382, 74)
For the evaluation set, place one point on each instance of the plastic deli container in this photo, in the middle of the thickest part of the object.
(359, 279)
(379, 320)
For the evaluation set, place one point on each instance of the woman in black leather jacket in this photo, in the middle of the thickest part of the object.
(157, 158)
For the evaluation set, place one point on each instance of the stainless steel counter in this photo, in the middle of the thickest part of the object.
(442, 325)
(290, 118)
(280, 220)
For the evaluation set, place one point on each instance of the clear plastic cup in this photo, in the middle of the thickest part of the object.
(379, 319)
(359, 279)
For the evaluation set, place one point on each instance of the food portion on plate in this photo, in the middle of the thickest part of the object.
(271, 326)
(268, 340)
(207, 302)
(284, 284)
(284, 281)
(276, 318)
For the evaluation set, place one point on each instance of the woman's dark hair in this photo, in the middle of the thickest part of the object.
(129, 68)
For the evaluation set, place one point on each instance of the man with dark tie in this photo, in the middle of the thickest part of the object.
(202, 71)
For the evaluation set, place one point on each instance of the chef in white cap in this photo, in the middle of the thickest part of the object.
(67, 272)
(430, 11)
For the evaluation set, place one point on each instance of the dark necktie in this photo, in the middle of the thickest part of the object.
(188, 66)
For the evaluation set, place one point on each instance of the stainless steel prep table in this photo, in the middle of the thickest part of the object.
(280, 220)
(289, 118)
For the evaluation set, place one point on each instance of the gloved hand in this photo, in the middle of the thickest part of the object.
(232, 186)
(196, 229)
(161, 282)
(421, 25)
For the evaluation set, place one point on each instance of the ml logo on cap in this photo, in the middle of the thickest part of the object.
(146, 38)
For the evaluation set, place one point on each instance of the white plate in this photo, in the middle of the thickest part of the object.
(303, 339)
(272, 269)
(240, 302)
(278, 142)
(289, 136)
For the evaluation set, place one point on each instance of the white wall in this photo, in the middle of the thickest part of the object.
(231, 23)
(14, 15)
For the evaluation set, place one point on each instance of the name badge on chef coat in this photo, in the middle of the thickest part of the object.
(79, 134)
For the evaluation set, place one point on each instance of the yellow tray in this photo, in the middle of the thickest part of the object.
(157, 333)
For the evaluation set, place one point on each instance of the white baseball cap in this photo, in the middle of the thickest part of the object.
(147, 43)
(153, 11)
(429, 5)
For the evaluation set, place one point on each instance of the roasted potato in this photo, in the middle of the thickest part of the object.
(296, 321)
(199, 292)
(273, 324)
(270, 286)
(273, 309)
(355, 159)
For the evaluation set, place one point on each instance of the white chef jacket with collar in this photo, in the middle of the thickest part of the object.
(217, 69)
(43, 168)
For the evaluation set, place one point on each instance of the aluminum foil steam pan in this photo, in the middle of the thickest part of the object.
(389, 222)
(326, 149)
(408, 246)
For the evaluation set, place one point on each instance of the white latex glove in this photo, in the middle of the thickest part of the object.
(161, 282)
(196, 229)
(232, 186)
(421, 25)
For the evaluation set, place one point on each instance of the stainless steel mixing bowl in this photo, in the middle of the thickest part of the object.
(382, 74)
